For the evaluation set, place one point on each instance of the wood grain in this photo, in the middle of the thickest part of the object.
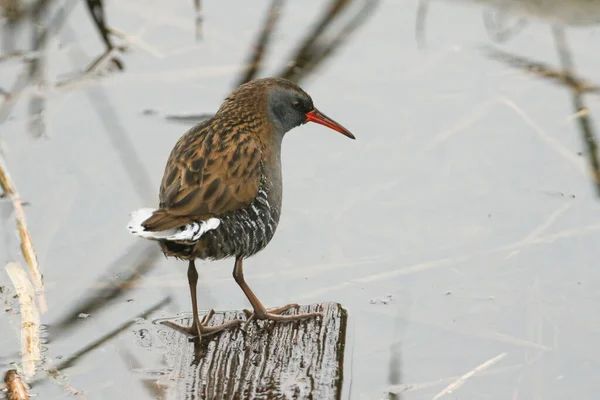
(300, 360)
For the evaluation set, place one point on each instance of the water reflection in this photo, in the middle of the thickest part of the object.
(558, 14)
(487, 243)
(577, 87)
(504, 19)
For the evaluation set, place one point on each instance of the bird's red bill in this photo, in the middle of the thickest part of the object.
(320, 118)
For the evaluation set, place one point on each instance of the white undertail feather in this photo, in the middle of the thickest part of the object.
(190, 232)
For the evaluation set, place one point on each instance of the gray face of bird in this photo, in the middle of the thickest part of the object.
(289, 108)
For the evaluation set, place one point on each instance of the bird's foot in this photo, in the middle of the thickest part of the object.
(275, 315)
(203, 329)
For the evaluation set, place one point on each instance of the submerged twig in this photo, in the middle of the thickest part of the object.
(96, 9)
(542, 70)
(585, 123)
(95, 69)
(198, 8)
(413, 387)
(395, 370)
(189, 119)
(578, 87)
(306, 52)
(97, 343)
(55, 372)
(27, 248)
(460, 381)
(30, 318)
(255, 63)
(252, 67)
(145, 255)
(314, 49)
(136, 41)
(40, 40)
(422, 10)
(326, 50)
(35, 72)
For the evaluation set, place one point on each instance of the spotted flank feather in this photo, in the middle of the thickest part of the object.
(190, 232)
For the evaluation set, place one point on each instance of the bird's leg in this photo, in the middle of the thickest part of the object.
(200, 327)
(260, 312)
(193, 282)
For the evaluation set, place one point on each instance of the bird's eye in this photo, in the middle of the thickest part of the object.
(296, 104)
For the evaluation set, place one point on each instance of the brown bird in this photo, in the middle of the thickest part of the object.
(221, 191)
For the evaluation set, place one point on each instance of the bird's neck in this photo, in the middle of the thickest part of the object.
(271, 169)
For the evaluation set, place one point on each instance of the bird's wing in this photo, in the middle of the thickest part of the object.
(207, 175)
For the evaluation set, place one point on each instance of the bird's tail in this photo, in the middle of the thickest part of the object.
(191, 231)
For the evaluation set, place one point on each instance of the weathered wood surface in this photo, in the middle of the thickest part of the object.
(298, 360)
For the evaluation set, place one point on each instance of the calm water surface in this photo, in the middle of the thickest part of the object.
(460, 229)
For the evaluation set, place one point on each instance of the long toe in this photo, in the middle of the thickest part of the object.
(191, 331)
(289, 318)
(275, 314)
(206, 319)
(283, 309)
(262, 314)
(203, 329)
(209, 330)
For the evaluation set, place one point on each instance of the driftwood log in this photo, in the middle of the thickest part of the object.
(297, 360)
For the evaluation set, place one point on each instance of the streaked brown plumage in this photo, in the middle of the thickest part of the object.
(221, 191)
(207, 175)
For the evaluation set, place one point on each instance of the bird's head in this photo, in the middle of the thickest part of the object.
(289, 106)
(283, 103)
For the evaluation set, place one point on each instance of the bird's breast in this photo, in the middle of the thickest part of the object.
(246, 231)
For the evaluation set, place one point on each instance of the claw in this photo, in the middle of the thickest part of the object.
(207, 317)
(249, 319)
